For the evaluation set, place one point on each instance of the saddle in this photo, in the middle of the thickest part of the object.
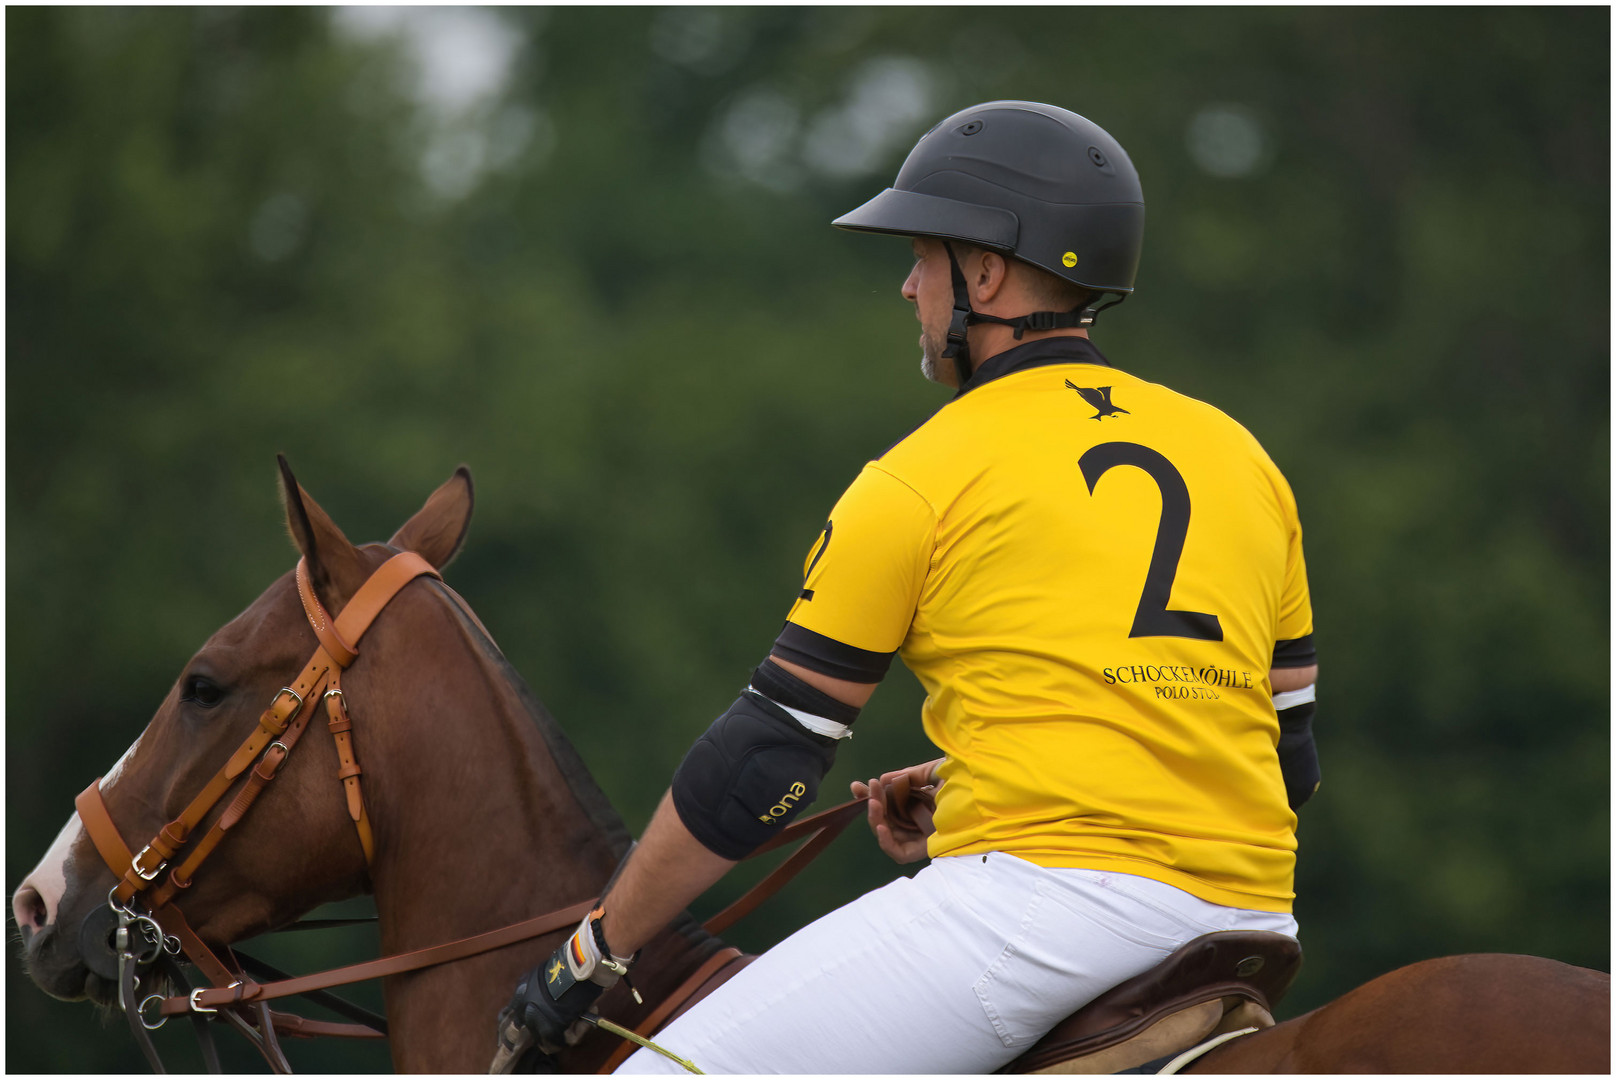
(1215, 984)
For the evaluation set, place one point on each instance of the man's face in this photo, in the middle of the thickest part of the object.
(931, 289)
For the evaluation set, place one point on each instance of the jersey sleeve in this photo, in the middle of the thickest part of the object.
(1294, 647)
(861, 580)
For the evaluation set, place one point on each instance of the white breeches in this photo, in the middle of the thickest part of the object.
(956, 970)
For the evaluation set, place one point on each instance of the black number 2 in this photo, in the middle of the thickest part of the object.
(824, 542)
(1154, 618)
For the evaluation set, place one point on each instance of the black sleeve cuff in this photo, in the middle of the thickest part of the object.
(783, 688)
(827, 656)
(1295, 652)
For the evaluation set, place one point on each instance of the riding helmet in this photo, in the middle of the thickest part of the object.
(1034, 181)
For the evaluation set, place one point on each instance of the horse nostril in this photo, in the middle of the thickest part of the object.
(30, 911)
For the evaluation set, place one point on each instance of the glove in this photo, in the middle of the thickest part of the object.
(552, 998)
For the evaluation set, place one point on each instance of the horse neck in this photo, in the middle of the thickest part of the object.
(484, 817)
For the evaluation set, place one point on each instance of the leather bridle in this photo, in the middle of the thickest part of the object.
(265, 751)
(280, 726)
(231, 994)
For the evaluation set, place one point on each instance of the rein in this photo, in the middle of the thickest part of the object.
(142, 940)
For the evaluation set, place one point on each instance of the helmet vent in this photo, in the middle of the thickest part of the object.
(1097, 157)
(972, 128)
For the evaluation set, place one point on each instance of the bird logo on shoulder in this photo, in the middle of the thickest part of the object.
(1100, 398)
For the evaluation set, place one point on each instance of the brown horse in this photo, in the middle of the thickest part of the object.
(484, 816)
(1458, 1014)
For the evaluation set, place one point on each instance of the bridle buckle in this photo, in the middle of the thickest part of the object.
(148, 876)
(197, 1006)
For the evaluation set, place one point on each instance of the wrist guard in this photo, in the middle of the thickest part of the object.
(585, 957)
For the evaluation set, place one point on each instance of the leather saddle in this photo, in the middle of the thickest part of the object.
(1217, 983)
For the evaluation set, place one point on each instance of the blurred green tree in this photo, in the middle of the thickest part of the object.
(1378, 237)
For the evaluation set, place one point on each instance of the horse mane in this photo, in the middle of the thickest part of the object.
(683, 946)
(579, 780)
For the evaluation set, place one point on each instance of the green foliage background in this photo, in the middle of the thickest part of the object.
(662, 372)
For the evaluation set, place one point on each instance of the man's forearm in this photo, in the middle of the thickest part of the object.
(666, 871)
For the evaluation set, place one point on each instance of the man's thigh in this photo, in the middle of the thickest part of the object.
(958, 969)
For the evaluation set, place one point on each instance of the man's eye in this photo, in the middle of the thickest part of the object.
(203, 692)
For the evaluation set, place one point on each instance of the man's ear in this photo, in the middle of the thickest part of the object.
(336, 568)
(986, 272)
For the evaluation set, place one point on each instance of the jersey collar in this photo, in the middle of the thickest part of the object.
(1056, 350)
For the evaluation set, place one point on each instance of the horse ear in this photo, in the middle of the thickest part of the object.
(335, 566)
(439, 528)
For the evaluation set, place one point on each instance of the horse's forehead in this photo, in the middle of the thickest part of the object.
(276, 620)
(273, 618)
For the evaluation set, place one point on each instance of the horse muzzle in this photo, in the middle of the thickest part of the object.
(73, 964)
(52, 961)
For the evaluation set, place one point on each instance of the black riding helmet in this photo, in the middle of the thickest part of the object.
(1036, 182)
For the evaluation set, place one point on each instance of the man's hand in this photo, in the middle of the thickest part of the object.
(546, 1019)
(899, 807)
(550, 999)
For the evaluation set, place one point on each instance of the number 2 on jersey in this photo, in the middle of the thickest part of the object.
(1153, 617)
(819, 552)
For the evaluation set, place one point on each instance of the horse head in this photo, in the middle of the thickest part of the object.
(297, 846)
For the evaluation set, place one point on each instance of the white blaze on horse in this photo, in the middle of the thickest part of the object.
(439, 773)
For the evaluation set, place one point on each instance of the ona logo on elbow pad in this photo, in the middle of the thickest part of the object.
(795, 792)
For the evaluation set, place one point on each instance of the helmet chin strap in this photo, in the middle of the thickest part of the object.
(959, 347)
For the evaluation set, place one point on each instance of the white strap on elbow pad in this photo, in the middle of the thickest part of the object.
(1291, 698)
(816, 724)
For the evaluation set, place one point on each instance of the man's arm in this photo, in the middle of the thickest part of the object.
(1286, 679)
(779, 735)
(670, 867)
(1298, 754)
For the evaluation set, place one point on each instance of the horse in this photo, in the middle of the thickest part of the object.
(1485, 1013)
(462, 778)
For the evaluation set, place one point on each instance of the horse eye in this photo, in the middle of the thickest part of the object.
(202, 692)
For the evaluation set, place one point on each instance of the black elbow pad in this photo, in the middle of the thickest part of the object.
(748, 776)
(1298, 754)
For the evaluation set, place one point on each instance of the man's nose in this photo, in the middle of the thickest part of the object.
(911, 285)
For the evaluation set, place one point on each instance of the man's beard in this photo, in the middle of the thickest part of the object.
(931, 361)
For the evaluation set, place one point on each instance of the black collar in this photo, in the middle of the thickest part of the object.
(1055, 350)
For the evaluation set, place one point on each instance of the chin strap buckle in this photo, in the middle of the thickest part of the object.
(1038, 320)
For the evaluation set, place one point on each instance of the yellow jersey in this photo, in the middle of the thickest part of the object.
(1091, 576)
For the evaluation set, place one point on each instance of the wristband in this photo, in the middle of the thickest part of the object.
(585, 957)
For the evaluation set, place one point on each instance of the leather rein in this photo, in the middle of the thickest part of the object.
(230, 993)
